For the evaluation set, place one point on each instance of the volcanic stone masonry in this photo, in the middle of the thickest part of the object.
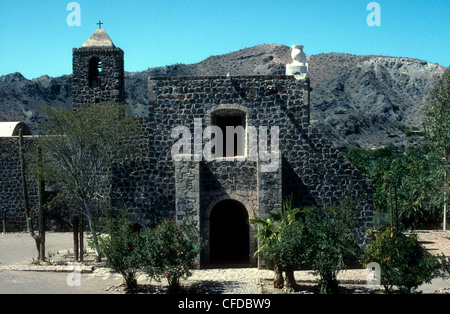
(154, 186)
(310, 169)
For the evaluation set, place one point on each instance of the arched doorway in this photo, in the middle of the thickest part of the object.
(229, 233)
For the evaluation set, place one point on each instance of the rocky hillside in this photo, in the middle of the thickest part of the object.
(370, 101)
(22, 99)
(366, 101)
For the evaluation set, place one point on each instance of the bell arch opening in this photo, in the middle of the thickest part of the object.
(229, 234)
(95, 69)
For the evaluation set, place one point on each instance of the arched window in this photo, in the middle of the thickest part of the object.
(232, 123)
(95, 69)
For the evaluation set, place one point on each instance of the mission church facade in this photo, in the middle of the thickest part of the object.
(220, 194)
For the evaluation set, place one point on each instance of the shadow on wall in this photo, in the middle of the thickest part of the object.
(293, 186)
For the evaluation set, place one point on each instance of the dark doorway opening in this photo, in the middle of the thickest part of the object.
(229, 234)
(236, 135)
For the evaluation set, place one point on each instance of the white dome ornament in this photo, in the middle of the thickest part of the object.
(299, 67)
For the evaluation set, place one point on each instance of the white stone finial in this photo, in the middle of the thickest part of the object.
(299, 67)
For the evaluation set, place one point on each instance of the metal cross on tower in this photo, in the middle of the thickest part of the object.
(99, 24)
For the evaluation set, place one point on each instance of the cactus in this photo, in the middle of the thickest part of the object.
(41, 189)
(24, 182)
(40, 238)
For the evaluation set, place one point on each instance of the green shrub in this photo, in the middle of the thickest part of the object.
(288, 251)
(170, 251)
(322, 238)
(403, 261)
(279, 243)
(122, 249)
(332, 243)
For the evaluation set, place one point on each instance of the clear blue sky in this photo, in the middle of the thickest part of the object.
(36, 40)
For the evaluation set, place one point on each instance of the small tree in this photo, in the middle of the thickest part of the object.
(322, 238)
(270, 236)
(79, 148)
(437, 127)
(392, 185)
(290, 251)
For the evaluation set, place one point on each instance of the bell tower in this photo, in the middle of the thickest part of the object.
(98, 71)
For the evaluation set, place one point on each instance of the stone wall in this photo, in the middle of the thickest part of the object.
(11, 191)
(112, 86)
(58, 216)
(152, 186)
(309, 169)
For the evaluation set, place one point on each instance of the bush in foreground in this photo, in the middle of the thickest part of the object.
(167, 251)
(122, 249)
(170, 251)
(332, 243)
(322, 238)
(404, 262)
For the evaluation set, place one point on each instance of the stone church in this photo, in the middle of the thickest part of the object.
(274, 153)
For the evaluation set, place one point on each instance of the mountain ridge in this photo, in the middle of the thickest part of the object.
(366, 101)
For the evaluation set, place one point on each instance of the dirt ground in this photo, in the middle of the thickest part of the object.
(436, 242)
(17, 251)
